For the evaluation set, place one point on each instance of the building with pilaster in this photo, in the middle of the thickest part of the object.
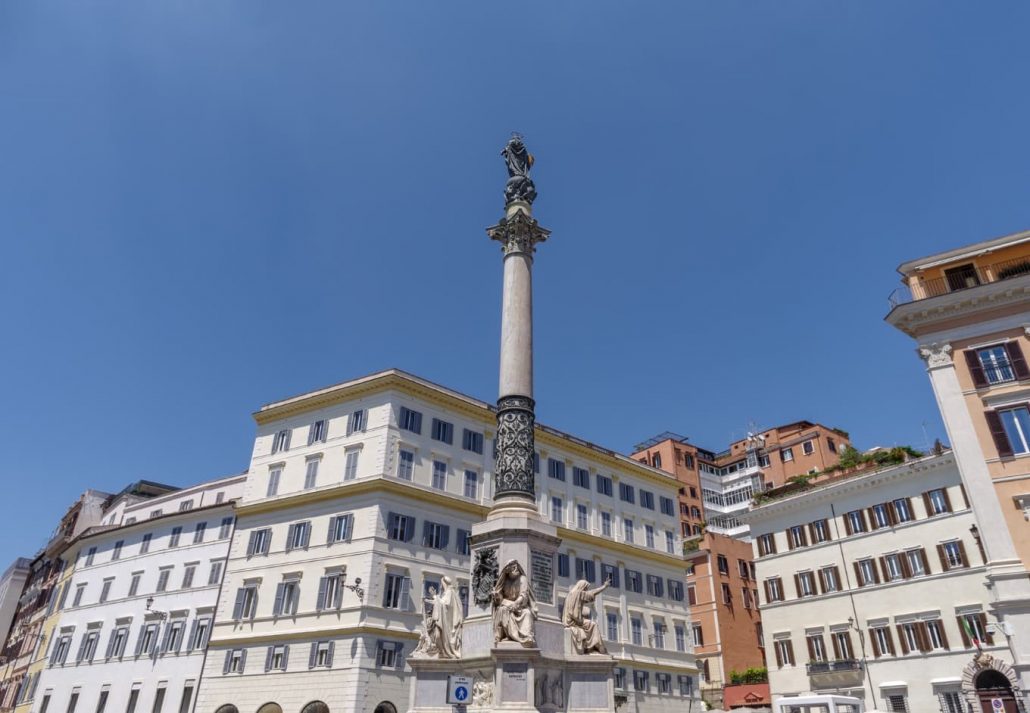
(968, 310)
(137, 603)
(362, 496)
(872, 584)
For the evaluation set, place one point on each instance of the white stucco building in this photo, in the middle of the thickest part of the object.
(136, 611)
(871, 584)
(12, 582)
(380, 480)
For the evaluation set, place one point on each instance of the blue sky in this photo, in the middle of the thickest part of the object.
(208, 206)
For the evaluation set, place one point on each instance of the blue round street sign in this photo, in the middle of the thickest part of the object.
(461, 693)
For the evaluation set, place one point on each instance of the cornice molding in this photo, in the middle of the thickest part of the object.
(920, 315)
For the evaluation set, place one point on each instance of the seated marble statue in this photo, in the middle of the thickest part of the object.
(586, 635)
(515, 608)
(442, 623)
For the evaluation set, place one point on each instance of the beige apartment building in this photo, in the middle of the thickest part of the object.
(968, 310)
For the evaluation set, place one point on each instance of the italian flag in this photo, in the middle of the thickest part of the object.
(971, 634)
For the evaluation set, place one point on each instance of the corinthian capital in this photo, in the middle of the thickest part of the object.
(936, 355)
(518, 233)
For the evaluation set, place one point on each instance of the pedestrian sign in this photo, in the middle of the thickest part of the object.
(459, 690)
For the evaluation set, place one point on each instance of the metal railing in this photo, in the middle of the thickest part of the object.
(963, 278)
(833, 666)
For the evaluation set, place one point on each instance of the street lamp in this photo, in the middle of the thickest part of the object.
(158, 612)
(356, 587)
(865, 664)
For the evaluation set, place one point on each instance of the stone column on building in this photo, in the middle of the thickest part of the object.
(541, 671)
(1006, 579)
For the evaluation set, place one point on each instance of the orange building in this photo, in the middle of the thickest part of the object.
(969, 311)
(714, 489)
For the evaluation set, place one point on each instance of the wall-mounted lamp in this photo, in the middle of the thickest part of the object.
(356, 587)
(150, 609)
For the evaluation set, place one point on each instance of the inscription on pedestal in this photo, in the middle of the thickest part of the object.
(542, 576)
(514, 683)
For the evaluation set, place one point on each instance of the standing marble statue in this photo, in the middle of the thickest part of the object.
(586, 636)
(518, 159)
(514, 605)
(442, 624)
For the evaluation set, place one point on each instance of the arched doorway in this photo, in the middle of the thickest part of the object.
(315, 707)
(386, 707)
(995, 692)
(227, 708)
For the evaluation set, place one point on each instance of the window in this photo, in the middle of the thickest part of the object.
(435, 535)
(400, 527)
(892, 569)
(321, 654)
(134, 583)
(260, 541)
(805, 582)
(680, 634)
(116, 642)
(951, 702)
(186, 505)
(586, 569)
(974, 629)
(198, 532)
(670, 542)
(686, 684)
(88, 647)
(854, 522)
(350, 467)
(649, 535)
(763, 460)
(442, 431)
(60, 652)
(317, 432)
(842, 650)
(604, 485)
(1010, 429)
(935, 631)
(188, 573)
(909, 634)
(626, 493)
(357, 421)
(580, 477)
(246, 603)
(647, 499)
(162, 578)
(766, 544)
(727, 595)
(666, 506)
(774, 590)
(471, 484)
(439, 475)
(339, 528)
(917, 564)
(557, 510)
(902, 510)
(388, 654)
(636, 631)
(627, 530)
(396, 592)
(199, 634)
(896, 703)
(953, 555)
(612, 620)
(173, 540)
(664, 682)
(105, 589)
(225, 528)
(655, 586)
(147, 641)
(116, 553)
(640, 682)
(634, 581)
(173, 636)
(330, 592)
(281, 441)
(286, 596)
(829, 578)
(610, 572)
(808, 448)
(606, 524)
(866, 571)
(406, 465)
(219, 498)
(723, 564)
(155, 513)
(697, 635)
(90, 556)
(73, 701)
(563, 565)
(472, 441)
(235, 661)
(796, 537)
(995, 364)
(816, 647)
(187, 697)
(311, 473)
(133, 699)
(581, 516)
(787, 455)
(883, 643)
(784, 650)
(620, 678)
(937, 502)
(745, 596)
(464, 545)
(273, 482)
(276, 658)
(831, 444)
(555, 469)
(879, 516)
(410, 420)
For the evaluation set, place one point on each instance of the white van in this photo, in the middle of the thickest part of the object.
(819, 704)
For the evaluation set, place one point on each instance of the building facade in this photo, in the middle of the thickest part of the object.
(361, 497)
(872, 584)
(969, 311)
(137, 603)
(12, 584)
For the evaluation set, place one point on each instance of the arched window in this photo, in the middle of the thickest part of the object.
(227, 708)
(315, 707)
(270, 708)
(386, 707)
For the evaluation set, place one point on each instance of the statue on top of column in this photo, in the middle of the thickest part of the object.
(519, 187)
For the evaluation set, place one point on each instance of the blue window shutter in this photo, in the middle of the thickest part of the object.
(289, 537)
(286, 657)
(321, 593)
(329, 655)
(193, 634)
(110, 643)
(139, 640)
(312, 654)
(82, 647)
(405, 602)
(445, 537)
(391, 523)
(268, 658)
(409, 529)
(237, 609)
(278, 607)
(243, 660)
(348, 521)
(332, 529)
(252, 543)
(307, 533)
(427, 532)
(228, 661)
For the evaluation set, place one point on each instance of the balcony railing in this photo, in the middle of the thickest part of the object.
(816, 667)
(960, 279)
